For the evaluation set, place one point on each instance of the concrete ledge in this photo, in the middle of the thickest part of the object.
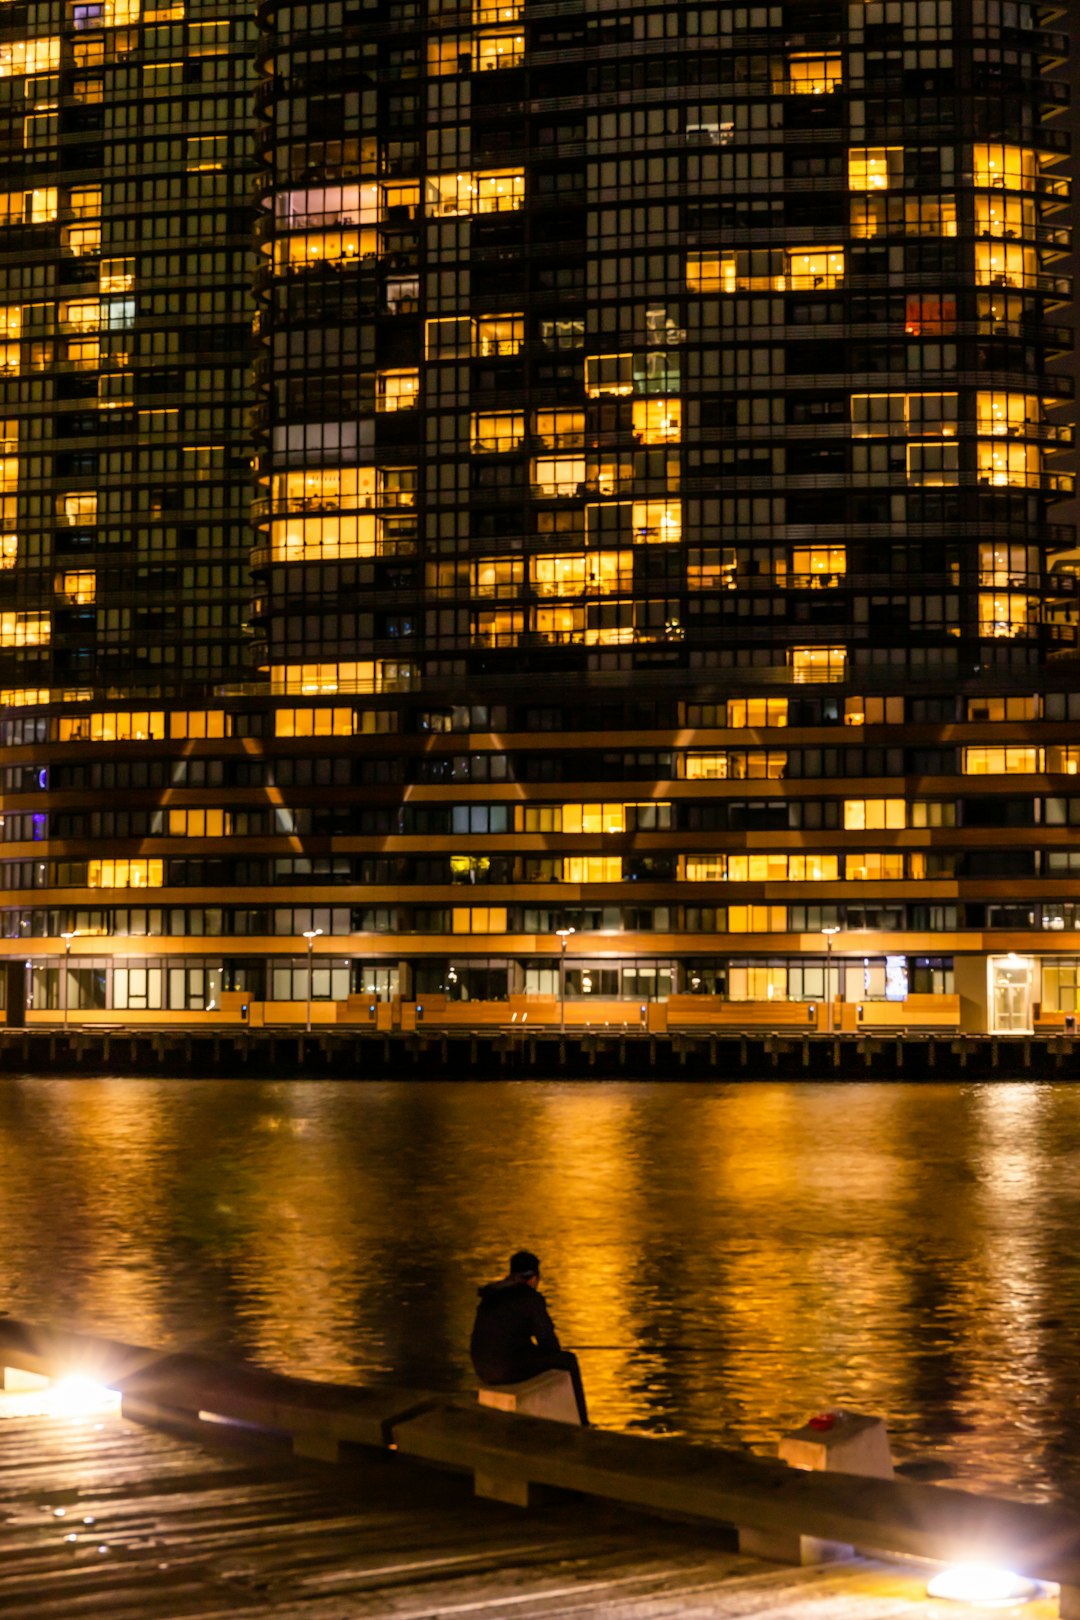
(751, 1493)
(186, 1391)
(549, 1395)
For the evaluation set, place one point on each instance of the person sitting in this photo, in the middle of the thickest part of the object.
(514, 1338)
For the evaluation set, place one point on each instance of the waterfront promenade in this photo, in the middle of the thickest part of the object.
(224, 1513)
(186, 1529)
(592, 1053)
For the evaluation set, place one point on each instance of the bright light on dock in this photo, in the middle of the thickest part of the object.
(979, 1585)
(72, 1397)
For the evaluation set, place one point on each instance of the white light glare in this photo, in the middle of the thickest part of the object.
(977, 1584)
(72, 1397)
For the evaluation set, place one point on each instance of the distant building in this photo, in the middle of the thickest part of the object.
(657, 435)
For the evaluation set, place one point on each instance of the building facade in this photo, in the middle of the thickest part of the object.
(657, 597)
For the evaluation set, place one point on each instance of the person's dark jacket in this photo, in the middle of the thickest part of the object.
(511, 1331)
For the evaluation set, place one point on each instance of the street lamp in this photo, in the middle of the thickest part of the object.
(67, 939)
(311, 935)
(562, 934)
(829, 932)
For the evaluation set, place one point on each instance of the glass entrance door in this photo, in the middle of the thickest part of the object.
(1010, 995)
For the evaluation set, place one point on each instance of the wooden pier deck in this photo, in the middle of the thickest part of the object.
(102, 1517)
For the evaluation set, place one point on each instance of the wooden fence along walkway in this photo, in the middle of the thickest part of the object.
(108, 1518)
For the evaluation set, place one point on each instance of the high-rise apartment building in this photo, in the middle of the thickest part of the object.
(656, 584)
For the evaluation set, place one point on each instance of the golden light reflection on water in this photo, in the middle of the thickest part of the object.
(728, 1259)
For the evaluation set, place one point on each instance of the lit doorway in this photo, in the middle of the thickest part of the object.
(1010, 995)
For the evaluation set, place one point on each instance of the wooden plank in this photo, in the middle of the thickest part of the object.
(197, 1533)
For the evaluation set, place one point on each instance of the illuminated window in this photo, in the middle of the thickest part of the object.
(116, 275)
(875, 168)
(592, 869)
(314, 248)
(758, 982)
(1004, 463)
(757, 919)
(77, 587)
(449, 53)
(814, 75)
(499, 334)
(497, 11)
(736, 764)
(997, 214)
(711, 272)
(313, 723)
(198, 823)
(82, 354)
(324, 489)
(314, 539)
(929, 314)
(396, 390)
(657, 522)
(496, 431)
(84, 202)
(743, 712)
(77, 507)
(559, 430)
(386, 675)
(810, 269)
(79, 315)
(125, 874)
(561, 624)
(1003, 565)
(593, 818)
(818, 664)
(1004, 615)
(25, 629)
(705, 868)
(596, 573)
(874, 867)
(1063, 759)
(498, 576)
(818, 565)
(777, 868)
(609, 374)
(488, 192)
(554, 476)
(120, 726)
(321, 206)
(1006, 264)
(9, 551)
(1007, 761)
(657, 421)
(479, 919)
(1007, 415)
(874, 815)
(502, 627)
(200, 723)
(1013, 168)
(29, 56)
(505, 49)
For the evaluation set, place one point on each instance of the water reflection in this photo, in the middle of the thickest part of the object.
(728, 1258)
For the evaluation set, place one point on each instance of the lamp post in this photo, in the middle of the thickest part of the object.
(562, 934)
(829, 932)
(311, 935)
(67, 939)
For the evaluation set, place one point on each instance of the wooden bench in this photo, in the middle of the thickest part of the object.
(710, 1012)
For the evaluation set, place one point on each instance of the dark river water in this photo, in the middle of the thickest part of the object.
(728, 1259)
